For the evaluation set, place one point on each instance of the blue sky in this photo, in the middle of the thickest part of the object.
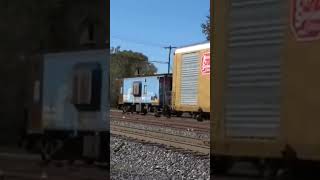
(147, 26)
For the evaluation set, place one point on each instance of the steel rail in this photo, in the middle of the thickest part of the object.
(166, 125)
(161, 122)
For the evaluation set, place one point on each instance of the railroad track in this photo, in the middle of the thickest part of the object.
(180, 142)
(175, 124)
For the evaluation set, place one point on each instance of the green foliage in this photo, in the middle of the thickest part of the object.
(125, 64)
(206, 28)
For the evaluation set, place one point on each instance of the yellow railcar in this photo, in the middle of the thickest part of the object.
(266, 97)
(191, 79)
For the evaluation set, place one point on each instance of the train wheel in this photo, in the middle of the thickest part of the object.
(140, 109)
(278, 174)
(157, 113)
(179, 113)
(145, 110)
(71, 162)
(168, 112)
(26, 144)
(89, 161)
(285, 174)
(269, 173)
(274, 171)
(126, 109)
(199, 117)
(47, 149)
(221, 165)
(194, 115)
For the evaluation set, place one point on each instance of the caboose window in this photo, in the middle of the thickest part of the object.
(36, 91)
(87, 86)
(145, 90)
(137, 88)
(83, 87)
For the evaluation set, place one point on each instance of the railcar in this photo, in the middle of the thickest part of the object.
(145, 94)
(67, 112)
(265, 88)
(191, 80)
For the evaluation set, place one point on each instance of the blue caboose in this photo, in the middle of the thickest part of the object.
(146, 93)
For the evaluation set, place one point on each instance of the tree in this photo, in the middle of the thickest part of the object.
(125, 64)
(114, 50)
(206, 28)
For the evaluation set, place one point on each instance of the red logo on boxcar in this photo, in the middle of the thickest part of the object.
(305, 17)
(205, 64)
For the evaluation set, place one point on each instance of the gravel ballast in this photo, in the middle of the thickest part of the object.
(134, 160)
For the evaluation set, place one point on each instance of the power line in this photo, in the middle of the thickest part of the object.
(150, 44)
(159, 62)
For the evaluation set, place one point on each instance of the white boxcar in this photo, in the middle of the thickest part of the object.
(68, 106)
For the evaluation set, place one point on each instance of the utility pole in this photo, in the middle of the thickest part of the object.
(164, 88)
(170, 48)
